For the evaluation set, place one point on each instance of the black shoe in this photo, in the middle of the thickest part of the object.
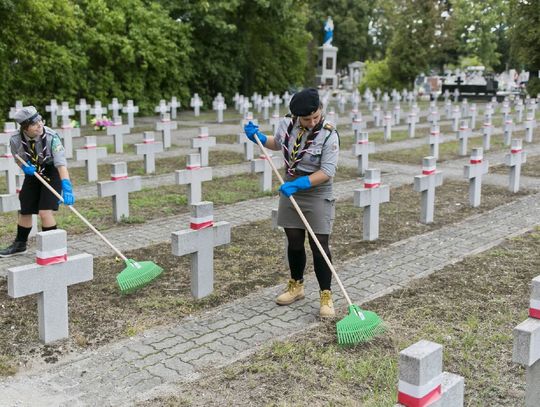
(13, 250)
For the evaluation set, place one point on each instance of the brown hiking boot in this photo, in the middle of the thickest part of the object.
(294, 292)
(327, 306)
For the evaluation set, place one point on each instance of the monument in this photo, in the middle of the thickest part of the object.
(327, 61)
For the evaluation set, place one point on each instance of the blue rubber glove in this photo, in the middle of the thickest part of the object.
(298, 184)
(67, 192)
(251, 129)
(29, 169)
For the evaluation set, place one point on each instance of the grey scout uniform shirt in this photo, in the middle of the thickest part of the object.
(54, 151)
(321, 155)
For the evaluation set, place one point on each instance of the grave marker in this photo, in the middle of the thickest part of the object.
(194, 175)
(247, 145)
(165, 125)
(361, 149)
(203, 143)
(82, 108)
(49, 278)
(53, 109)
(411, 124)
(456, 115)
(515, 159)
(9, 167)
(422, 381)
(119, 188)
(97, 111)
(370, 197)
(149, 148)
(474, 171)
(219, 106)
(387, 126)
(90, 153)
(115, 108)
(199, 241)
(526, 347)
(118, 130)
(10, 129)
(174, 104)
(163, 109)
(67, 134)
(196, 103)
(130, 109)
(508, 126)
(463, 136)
(473, 113)
(262, 166)
(434, 139)
(13, 110)
(530, 125)
(487, 129)
(426, 184)
(65, 112)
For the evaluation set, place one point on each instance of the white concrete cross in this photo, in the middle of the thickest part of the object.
(130, 109)
(385, 100)
(464, 108)
(387, 126)
(115, 107)
(286, 98)
(277, 103)
(519, 107)
(219, 106)
(13, 110)
(65, 112)
(456, 115)
(526, 348)
(118, 131)
(448, 109)
(262, 166)
(82, 108)
(456, 95)
(332, 116)
(397, 114)
(149, 148)
(196, 103)
(11, 203)
(265, 108)
(505, 109)
(199, 241)
(434, 115)
(193, 176)
(377, 116)
(411, 124)
(515, 159)
(67, 134)
(434, 139)
(341, 102)
(370, 197)
(9, 167)
(98, 111)
(90, 153)
(119, 188)
(530, 125)
(10, 129)
(247, 145)
(203, 143)
(361, 149)
(473, 114)
(426, 184)
(422, 381)
(487, 130)
(274, 122)
(358, 124)
(174, 104)
(474, 171)
(165, 125)
(49, 278)
(53, 109)
(163, 108)
(463, 136)
(508, 126)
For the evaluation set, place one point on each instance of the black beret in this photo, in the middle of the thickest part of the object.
(305, 102)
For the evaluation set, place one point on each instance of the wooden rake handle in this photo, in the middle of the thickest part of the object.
(75, 211)
(306, 223)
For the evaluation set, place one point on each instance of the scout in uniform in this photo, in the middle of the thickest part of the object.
(43, 152)
(310, 147)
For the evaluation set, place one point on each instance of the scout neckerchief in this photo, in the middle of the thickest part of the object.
(32, 155)
(295, 156)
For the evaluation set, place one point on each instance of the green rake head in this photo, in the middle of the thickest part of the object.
(137, 274)
(358, 326)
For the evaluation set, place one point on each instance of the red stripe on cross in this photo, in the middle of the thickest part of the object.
(534, 313)
(476, 161)
(517, 150)
(119, 177)
(202, 225)
(372, 185)
(51, 260)
(428, 172)
(411, 401)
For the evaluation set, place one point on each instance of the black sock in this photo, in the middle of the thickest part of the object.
(297, 263)
(46, 229)
(22, 234)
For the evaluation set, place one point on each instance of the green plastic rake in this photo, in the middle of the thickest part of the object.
(136, 274)
(359, 325)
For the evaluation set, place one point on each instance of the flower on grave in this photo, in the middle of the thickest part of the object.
(75, 124)
(101, 124)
